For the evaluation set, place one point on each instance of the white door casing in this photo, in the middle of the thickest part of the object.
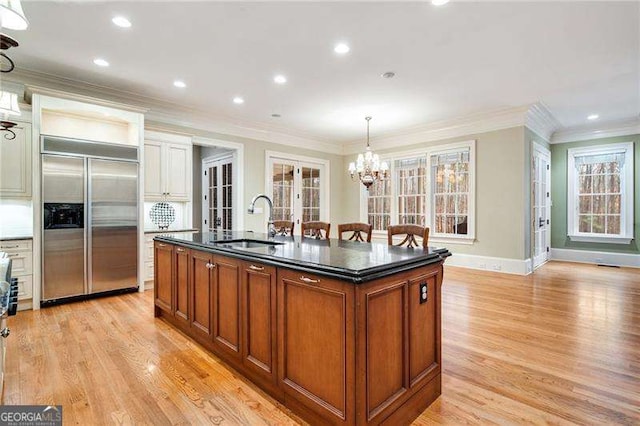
(541, 215)
(298, 186)
(218, 193)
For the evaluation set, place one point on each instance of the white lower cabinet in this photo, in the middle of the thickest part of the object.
(148, 256)
(21, 254)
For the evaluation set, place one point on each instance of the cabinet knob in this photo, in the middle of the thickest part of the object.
(210, 265)
(256, 268)
(308, 280)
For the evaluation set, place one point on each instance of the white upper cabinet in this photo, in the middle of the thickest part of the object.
(178, 175)
(15, 162)
(167, 167)
(152, 170)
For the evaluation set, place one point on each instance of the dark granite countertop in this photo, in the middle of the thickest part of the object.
(346, 260)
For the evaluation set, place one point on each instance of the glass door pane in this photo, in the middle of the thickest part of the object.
(213, 198)
(283, 190)
(310, 182)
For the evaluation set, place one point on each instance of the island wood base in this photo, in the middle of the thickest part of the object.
(332, 351)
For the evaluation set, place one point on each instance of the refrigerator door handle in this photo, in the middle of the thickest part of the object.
(88, 229)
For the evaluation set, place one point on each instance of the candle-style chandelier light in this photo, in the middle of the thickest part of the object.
(368, 166)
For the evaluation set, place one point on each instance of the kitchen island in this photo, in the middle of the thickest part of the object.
(340, 332)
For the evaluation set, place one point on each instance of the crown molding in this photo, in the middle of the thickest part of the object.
(169, 113)
(626, 127)
(30, 90)
(540, 120)
(447, 129)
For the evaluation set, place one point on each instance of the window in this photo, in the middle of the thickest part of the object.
(450, 193)
(600, 193)
(411, 177)
(379, 205)
(431, 188)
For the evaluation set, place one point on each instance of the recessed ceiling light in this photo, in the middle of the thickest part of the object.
(280, 79)
(388, 74)
(179, 83)
(121, 21)
(276, 115)
(101, 62)
(439, 2)
(238, 100)
(593, 117)
(341, 48)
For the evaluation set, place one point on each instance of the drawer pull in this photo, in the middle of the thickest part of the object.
(179, 250)
(256, 268)
(161, 245)
(13, 254)
(308, 280)
(10, 247)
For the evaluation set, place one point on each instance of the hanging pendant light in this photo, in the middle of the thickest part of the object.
(8, 106)
(12, 16)
(368, 166)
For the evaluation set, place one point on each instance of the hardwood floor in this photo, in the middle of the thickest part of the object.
(561, 347)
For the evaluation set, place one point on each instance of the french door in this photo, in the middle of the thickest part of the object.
(298, 190)
(541, 175)
(217, 186)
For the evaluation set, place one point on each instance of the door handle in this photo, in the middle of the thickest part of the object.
(540, 222)
(308, 280)
(256, 268)
(179, 250)
(210, 265)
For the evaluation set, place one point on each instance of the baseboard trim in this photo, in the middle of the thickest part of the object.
(493, 264)
(596, 257)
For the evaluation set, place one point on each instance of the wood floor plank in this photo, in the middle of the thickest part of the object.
(561, 346)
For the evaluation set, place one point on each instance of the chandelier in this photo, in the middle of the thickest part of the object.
(368, 165)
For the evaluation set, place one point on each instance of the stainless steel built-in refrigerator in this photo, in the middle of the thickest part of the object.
(90, 218)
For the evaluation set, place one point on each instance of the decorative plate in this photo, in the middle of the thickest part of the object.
(162, 215)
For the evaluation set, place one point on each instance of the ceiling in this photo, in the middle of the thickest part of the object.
(578, 58)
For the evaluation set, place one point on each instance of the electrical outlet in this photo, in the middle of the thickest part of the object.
(424, 296)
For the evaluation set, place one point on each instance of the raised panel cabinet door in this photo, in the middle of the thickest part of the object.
(15, 162)
(316, 334)
(178, 172)
(181, 257)
(201, 276)
(226, 302)
(153, 169)
(259, 319)
(385, 341)
(424, 328)
(163, 276)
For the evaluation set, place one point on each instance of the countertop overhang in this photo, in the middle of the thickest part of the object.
(345, 260)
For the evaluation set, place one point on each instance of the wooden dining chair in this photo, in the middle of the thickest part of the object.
(316, 229)
(358, 229)
(284, 227)
(410, 232)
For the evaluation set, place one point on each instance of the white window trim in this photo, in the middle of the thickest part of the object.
(325, 187)
(470, 237)
(440, 238)
(626, 188)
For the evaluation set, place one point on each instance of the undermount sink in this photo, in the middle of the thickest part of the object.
(248, 243)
